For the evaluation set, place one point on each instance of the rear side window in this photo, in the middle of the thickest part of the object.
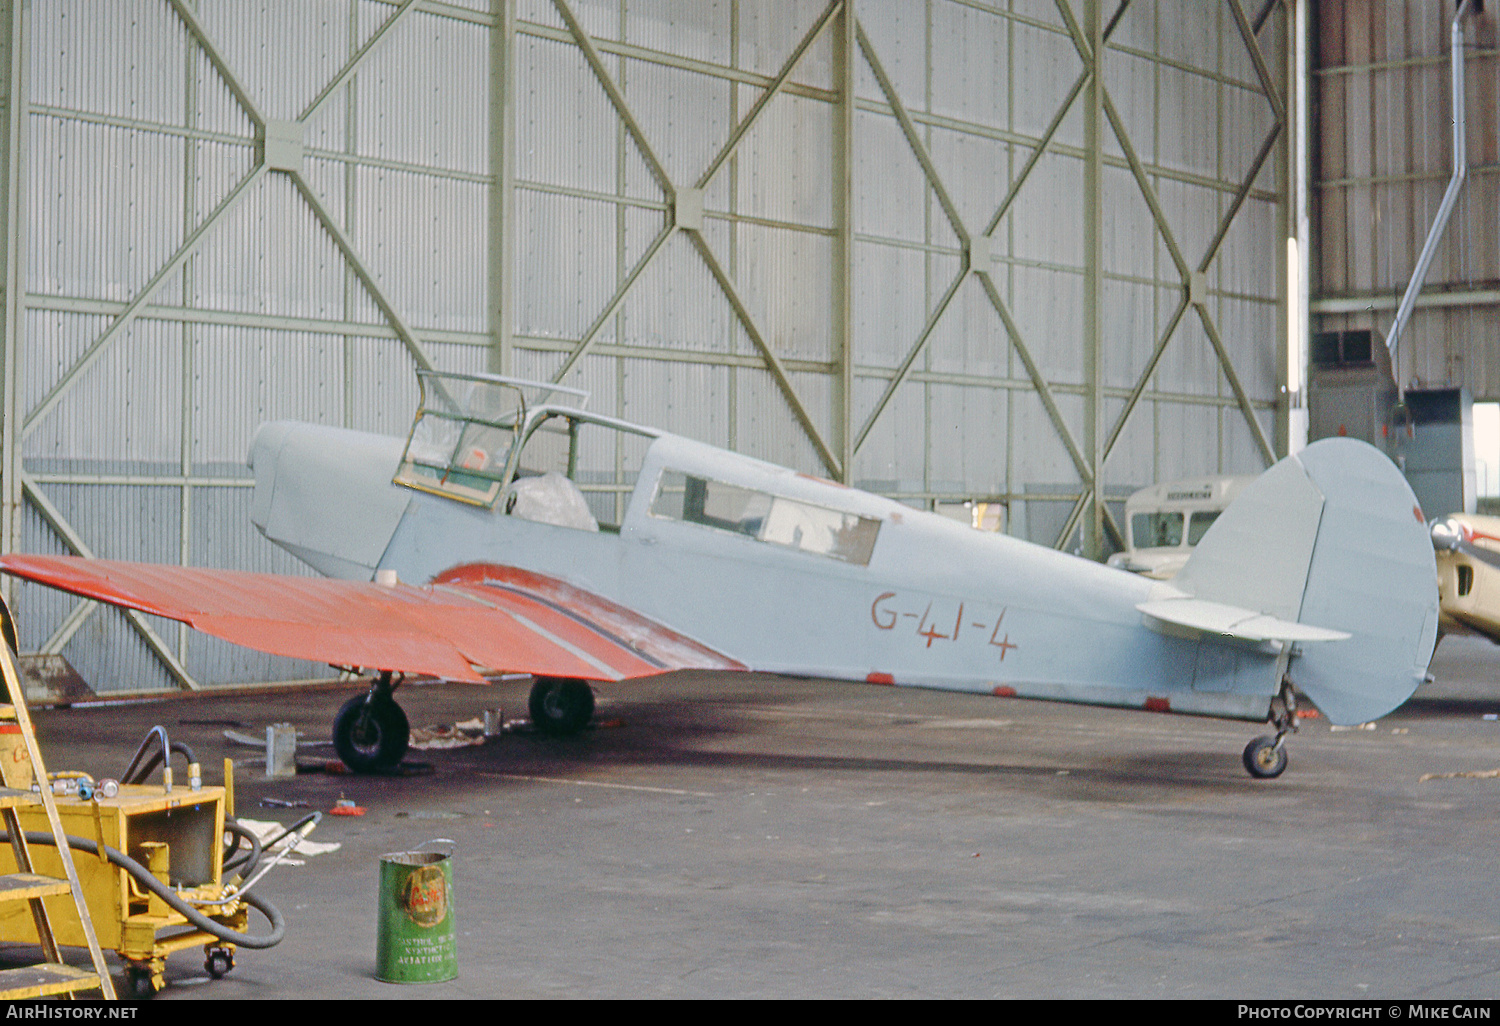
(773, 519)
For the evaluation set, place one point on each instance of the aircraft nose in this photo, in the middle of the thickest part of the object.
(1447, 535)
(266, 443)
(265, 447)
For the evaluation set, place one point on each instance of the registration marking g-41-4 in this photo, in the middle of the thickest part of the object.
(886, 614)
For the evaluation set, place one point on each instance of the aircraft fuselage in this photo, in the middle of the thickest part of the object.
(914, 599)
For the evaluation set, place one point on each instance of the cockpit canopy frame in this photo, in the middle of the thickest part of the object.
(466, 428)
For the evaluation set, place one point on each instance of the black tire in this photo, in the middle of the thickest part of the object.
(371, 737)
(138, 984)
(218, 963)
(560, 706)
(1263, 759)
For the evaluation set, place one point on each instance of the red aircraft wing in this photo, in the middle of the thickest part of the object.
(480, 616)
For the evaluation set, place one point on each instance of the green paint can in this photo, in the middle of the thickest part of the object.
(414, 943)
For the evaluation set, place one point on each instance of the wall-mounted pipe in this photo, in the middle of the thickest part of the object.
(1450, 196)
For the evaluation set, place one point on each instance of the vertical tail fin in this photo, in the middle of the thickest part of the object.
(1332, 537)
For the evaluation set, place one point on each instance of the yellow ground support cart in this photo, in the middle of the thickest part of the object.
(177, 836)
(140, 868)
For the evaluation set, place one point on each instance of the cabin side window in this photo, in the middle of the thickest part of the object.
(575, 472)
(773, 519)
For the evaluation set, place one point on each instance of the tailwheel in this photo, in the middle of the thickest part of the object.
(561, 706)
(370, 732)
(1265, 757)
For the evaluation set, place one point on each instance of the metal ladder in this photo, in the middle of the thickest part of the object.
(53, 976)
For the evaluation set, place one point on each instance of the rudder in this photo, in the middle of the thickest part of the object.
(1374, 575)
(1331, 537)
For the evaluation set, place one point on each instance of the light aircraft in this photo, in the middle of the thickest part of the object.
(514, 531)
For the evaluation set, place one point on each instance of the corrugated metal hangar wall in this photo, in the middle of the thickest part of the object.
(1016, 250)
(1382, 86)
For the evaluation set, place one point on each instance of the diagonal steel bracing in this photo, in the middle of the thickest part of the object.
(70, 537)
(1049, 403)
(671, 193)
(616, 98)
(586, 340)
(1148, 192)
(1185, 272)
(1170, 239)
(1209, 255)
(1252, 46)
(950, 210)
(808, 39)
(240, 190)
(363, 273)
(913, 139)
(195, 29)
(355, 60)
(133, 308)
(33, 492)
(903, 369)
(773, 362)
(934, 179)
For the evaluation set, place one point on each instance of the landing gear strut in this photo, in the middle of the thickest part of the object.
(1265, 757)
(561, 706)
(370, 732)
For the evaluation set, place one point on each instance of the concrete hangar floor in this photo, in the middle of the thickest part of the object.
(723, 836)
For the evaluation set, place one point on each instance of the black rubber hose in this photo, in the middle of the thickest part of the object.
(232, 861)
(157, 731)
(136, 774)
(311, 817)
(161, 890)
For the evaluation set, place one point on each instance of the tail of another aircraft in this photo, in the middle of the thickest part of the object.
(1331, 538)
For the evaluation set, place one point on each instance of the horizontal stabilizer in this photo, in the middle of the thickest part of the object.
(1216, 618)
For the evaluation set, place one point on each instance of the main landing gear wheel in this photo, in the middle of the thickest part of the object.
(1265, 758)
(561, 707)
(371, 733)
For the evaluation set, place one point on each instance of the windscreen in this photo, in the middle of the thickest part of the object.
(461, 438)
(1156, 530)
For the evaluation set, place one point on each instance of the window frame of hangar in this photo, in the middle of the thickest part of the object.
(768, 518)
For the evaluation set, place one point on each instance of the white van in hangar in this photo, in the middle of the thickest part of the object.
(1164, 521)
